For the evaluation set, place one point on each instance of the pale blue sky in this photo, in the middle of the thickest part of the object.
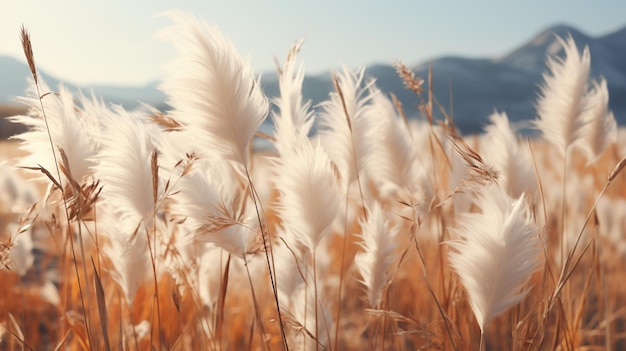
(88, 42)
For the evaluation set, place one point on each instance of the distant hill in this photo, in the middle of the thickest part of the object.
(14, 77)
(508, 83)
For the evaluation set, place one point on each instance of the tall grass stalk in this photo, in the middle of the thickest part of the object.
(30, 58)
(269, 256)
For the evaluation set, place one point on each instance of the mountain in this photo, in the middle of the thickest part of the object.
(471, 89)
(468, 88)
(14, 77)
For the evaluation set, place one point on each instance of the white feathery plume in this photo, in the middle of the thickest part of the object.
(502, 149)
(124, 167)
(21, 254)
(309, 196)
(69, 130)
(561, 102)
(212, 89)
(49, 292)
(612, 219)
(600, 132)
(16, 193)
(348, 139)
(124, 170)
(302, 310)
(216, 207)
(378, 239)
(394, 164)
(459, 173)
(294, 119)
(129, 254)
(290, 267)
(498, 252)
(208, 275)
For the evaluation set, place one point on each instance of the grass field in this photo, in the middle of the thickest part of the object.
(167, 231)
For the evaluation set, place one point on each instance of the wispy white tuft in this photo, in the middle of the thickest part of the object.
(21, 254)
(290, 268)
(600, 132)
(130, 256)
(612, 219)
(303, 312)
(124, 167)
(212, 89)
(309, 196)
(294, 119)
(513, 161)
(69, 130)
(498, 252)
(127, 204)
(378, 239)
(561, 103)
(348, 139)
(211, 261)
(217, 208)
(394, 165)
(16, 193)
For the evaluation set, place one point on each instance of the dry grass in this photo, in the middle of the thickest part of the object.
(192, 295)
(592, 306)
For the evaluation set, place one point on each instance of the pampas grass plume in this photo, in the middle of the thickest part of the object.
(69, 129)
(600, 132)
(124, 167)
(294, 120)
(212, 89)
(379, 244)
(309, 195)
(498, 252)
(346, 127)
(561, 102)
(514, 163)
(210, 199)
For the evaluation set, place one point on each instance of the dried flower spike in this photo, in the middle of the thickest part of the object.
(28, 51)
(410, 81)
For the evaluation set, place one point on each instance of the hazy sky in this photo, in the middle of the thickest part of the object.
(89, 42)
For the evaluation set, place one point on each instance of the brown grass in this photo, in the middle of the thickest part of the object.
(595, 301)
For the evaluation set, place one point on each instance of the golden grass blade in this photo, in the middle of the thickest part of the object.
(222, 300)
(154, 166)
(47, 173)
(59, 346)
(102, 308)
(18, 334)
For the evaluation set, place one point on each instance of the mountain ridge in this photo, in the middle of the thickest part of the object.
(508, 83)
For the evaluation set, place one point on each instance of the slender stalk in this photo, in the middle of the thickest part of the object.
(317, 344)
(219, 320)
(255, 303)
(563, 207)
(481, 347)
(270, 265)
(341, 268)
(152, 247)
(30, 58)
(432, 292)
(155, 296)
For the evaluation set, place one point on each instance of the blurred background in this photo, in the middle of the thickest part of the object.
(485, 55)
